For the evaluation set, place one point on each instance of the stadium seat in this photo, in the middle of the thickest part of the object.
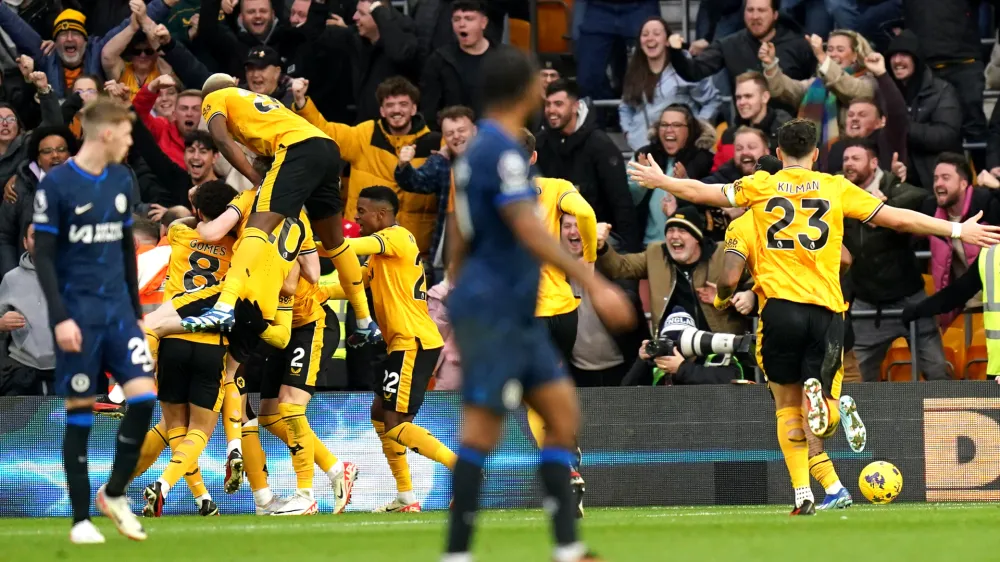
(554, 17)
(955, 348)
(928, 284)
(896, 365)
(975, 367)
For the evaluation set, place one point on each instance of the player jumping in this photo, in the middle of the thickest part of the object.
(799, 218)
(506, 351)
(305, 171)
(85, 259)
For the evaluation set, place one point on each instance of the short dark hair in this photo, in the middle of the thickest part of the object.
(867, 144)
(172, 214)
(563, 85)
(397, 86)
(959, 161)
(468, 6)
(146, 228)
(382, 194)
(203, 138)
(212, 197)
(455, 112)
(797, 138)
(527, 141)
(507, 76)
(868, 101)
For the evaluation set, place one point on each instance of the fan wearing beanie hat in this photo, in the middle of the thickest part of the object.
(69, 32)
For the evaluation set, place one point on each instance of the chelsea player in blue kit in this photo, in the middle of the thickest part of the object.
(85, 259)
(507, 354)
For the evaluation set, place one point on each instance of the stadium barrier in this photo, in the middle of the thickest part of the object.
(703, 445)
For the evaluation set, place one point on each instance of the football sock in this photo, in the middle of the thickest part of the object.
(152, 445)
(254, 252)
(185, 455)
(175, 436)
(78, 422)
(795, 450)
(554, 472)
(153, 341)
(834, 412)
(821, 468)
(466, 482)
(537, 426)
(195, 482)
(274, 424)
(349, 273)
(301, 444)
(253, 456)
(232, 417)
(131, 430)
(395, 455)
(324, 459)
(423, 443)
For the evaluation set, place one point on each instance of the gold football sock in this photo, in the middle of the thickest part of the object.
(323, 457)
(395, 455)
(274, 424)
(232, 417)
(254, 252)
(152, 446)
(185, 456)
(537, 426)
(792, 440)
(254, 457)
(153, 341)
(821, 468)
(301, 443)
(422, 443)
(349, 273)
(194, 481)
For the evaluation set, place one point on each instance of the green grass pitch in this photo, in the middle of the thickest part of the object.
(905, 532)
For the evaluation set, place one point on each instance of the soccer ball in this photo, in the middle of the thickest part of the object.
(880, 482)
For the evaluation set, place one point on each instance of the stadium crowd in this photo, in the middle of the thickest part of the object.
(895, 86)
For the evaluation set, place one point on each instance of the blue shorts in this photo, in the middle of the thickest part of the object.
(500, 362)
(119, 349)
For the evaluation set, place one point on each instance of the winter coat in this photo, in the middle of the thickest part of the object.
(638, 121)
(591, 161)
(31, 345)
(441, 84)
(890, 139)
(845, 87)
(15, 218)
(948, 31)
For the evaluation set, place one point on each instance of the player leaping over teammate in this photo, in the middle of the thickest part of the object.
(305, 171)
(799, 218)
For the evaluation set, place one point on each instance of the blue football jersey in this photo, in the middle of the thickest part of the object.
(87, 214)
(499, 278)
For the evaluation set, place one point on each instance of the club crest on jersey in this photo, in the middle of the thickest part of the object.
(121, 203)
(513, 172)
(80, 382)
(41, 205)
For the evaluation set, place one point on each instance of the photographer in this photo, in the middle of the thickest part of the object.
(661, 362)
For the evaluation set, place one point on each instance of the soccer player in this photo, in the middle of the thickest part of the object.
(799, 216)
(305, 171)
(506, 351)
(85, 259)
(399, 290)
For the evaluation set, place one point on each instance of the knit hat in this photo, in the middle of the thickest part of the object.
(675, 323)
(69, 20)
(688, 218)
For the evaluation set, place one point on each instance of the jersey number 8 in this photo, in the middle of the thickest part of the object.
(203, 266)
(821, 206)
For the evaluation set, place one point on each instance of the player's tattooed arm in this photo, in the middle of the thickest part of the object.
(232, 151)
(733, 265)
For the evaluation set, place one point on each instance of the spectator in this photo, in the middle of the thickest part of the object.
(434, 20)
(451, 74)
(884, 273)
(87, 87)
(31, 360)
(956, 199)
(680, 146)
(752, 109)
(680, 272)
(574, 148)
(144, 62)
(152, 254)
(48, 147)
(950, 46)
(13, 136)
(935, 123)
(169, 133)
(607, 26)
(383, 45)
(737, 53)
(433, 177)
(200, 157)
(599, 357)
(651, 84)
(370, 148)
(749, 146)
(992, 143)
(866, 119)
(840, 77)
(263, 72)
(74, 52)
(448, 372)
(551, 70)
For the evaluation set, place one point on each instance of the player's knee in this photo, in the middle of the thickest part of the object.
(268, 406)
(796, 434)
(203, 419)
(291, 395)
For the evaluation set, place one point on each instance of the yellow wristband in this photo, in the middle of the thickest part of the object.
(721, 304)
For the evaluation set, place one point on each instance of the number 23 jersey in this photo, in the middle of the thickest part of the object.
(259, 122)
(799, 218)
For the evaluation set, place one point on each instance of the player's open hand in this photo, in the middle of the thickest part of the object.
(980, 234)
(156, 212)
(646, 172)
(68, 336)
(707, 293)
(603, 231)
(249, 316)
(611, 304)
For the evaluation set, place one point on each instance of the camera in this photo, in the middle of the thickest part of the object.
(660, 348)
(693, 342)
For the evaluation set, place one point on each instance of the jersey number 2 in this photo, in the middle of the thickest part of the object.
(265, 103)
(420, 287)
(821, 206)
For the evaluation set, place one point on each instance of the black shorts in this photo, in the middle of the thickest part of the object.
(305, 173)
(197, 302)
(406, 375)
(191, 373)
(562, 328)
(296, 366)
(801, 341)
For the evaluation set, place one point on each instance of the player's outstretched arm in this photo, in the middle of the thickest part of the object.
(215, 229)
(368, 245)
(647, 173)
(230, 150)
(970, 231)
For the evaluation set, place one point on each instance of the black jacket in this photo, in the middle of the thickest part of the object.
(772, 121)
(441, 83)
(737, 53)
(15, 218)
(590, 160)
(884, 268)
(935, 114)
(395, 53)
(948, 30)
